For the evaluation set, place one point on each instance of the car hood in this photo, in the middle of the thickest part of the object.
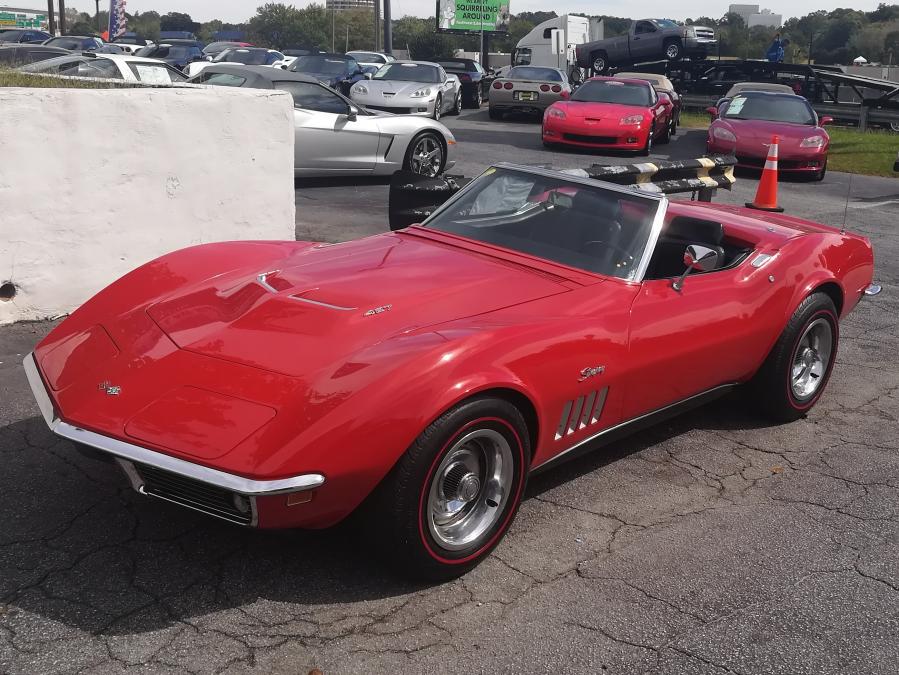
(397, 88)
(600, 111)
(321, 77)
(758, 133)
(327, 302)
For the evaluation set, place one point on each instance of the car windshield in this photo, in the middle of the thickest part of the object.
(459, 66)
(770, 108)
(664, 23)
(249, 57)
(408, 72)
(588, 227)
(609, 91)
(71, 43)
(76, 65)
(319, 63)
(532, 73)
(370, 57)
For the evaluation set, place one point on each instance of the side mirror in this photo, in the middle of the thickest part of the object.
(699, 259)
(826, 119)
(367, 76)
(565, 94)
(352, 113)
(208, 58)
(712, 111)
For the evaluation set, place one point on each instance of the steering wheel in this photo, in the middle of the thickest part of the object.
(625, 259)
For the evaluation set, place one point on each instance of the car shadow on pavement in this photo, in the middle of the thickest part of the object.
(80, 547)
(300, 182)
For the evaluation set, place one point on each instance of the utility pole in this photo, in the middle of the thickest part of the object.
(99, 25)
(377, 24)
(388, 29)
(333, 15)
(62, 17)
(51, 17)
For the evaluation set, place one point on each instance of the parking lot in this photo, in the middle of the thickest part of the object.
(714, 543)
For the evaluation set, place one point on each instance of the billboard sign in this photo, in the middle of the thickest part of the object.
(473, 16)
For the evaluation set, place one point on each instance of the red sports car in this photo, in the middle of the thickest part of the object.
(610, 113)
(422, 375)
(745, 124)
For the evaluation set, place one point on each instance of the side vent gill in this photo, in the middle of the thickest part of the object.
(581, 413)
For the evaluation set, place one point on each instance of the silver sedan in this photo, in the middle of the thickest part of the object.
(334, 136)
(410, 88)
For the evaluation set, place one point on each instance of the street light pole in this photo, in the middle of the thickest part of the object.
(388, 29)
(99, 25)
(62, 17)
(51, 17)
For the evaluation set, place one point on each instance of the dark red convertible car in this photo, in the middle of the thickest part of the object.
(613, 114)
(422, 375)
(744, 126)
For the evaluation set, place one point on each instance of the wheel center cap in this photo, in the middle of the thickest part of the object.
(469, 487)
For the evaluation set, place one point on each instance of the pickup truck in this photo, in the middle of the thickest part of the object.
(647, 40)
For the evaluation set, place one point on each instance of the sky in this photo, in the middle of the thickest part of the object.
(235, 11)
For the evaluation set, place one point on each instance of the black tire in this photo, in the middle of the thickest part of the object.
(676, 124)
(434, 138)
(438, 108)
(457, 106)
(402, 507)
(673, 50)
(666, 137)
(600, 62)
(477, 98)
(773, 386)
(819, 175)
(495, 114)
(647, 149)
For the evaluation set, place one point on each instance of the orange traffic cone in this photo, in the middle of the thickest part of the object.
(766, 195)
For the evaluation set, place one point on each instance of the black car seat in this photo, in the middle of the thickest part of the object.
(680, 232)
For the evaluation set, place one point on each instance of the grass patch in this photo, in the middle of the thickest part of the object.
(15, 78)
(870, 153)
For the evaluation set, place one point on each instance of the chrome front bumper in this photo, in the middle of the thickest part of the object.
(133, 457)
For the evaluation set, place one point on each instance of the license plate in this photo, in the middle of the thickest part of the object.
(525, 95)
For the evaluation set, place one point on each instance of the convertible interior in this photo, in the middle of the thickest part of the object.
(678, 232)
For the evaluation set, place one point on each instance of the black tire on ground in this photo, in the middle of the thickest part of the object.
(819, 176)
(676, 124)
(483, 437)
(673, 50)
(457, 105)
(476, 98)
(787, 386)
(495, 114)
(666, 137)
(647, 149)
(438, 105)
(436, 141)
(600, 62)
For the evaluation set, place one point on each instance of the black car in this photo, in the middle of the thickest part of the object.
(216, 48)
(24, 35)
(177, 55)
(14, 55)
(473, 77)
(76, 43)
(337, 71)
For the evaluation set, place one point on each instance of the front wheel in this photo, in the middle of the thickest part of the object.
(797, 370)
(600, 63)
(425, 155)
(647, 149)
(453, 495)
(457, 106)
(819, 175)
(673, 50)
(438, 107)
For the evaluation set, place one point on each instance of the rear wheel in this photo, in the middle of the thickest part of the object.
(797, 370)
(457, 106)
(477, 98)
(600, 63)
(454, 493)
(425, 155)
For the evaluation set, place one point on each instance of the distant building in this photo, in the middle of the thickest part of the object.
(340, 5)
(753, 16)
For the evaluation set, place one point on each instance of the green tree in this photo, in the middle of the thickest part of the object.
(146, 24)
(178, 21)
(208, 29)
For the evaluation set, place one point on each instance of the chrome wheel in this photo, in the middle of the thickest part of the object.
(811, 359)
(438, 104)
(469, 489)
(427, 156)
(672, 51)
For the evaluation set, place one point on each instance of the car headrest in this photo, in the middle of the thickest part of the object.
(588, 201)
(695, 229)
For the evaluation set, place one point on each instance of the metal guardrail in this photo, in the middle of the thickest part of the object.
(413, 197)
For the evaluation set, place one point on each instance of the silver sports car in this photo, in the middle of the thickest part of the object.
(334, 136)
(410, 88)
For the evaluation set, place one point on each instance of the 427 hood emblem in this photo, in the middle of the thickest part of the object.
(109, 388)
(589, 372)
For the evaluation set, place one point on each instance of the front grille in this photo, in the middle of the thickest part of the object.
(751, 161)
(705, 34)
(598, 140)
(396, 111)
(193, 494)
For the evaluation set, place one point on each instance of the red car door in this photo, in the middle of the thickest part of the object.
(716, 330)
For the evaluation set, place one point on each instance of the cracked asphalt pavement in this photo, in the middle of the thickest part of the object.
(714, 543)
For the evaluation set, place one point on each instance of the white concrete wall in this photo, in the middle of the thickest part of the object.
(94, 183)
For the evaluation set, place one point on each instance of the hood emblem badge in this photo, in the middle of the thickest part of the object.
(591, 371)
(378, 310)
(110, 389)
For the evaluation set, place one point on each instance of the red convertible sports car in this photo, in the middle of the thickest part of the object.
(422, 375)
(745, 124)
(610, 113)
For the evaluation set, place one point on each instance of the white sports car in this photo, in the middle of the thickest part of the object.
(334, 136)
(249, 56)
(123, 67)
(410, 88)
